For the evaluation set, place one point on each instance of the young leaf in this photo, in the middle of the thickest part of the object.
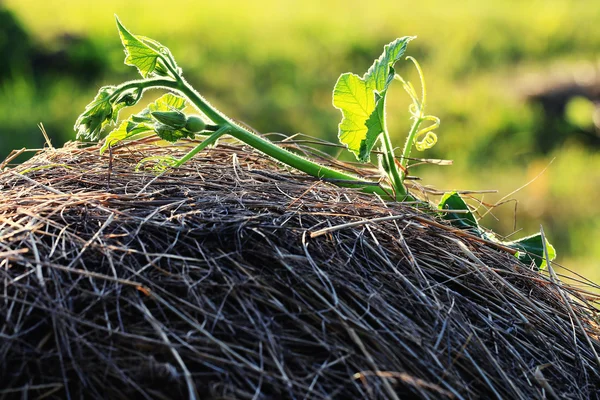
(147, 55)
(171, 134)
(127, 99)
(361, 100)
(145, 123)
(531, 249)
(161, 163)
(103, 110)
(463, 220)
(167, 102)
(126, 131)
(96, 115)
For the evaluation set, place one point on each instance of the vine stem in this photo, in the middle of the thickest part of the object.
(143, 84)
(392, 170)
(265, 146)
(206, 142)
(293, 160)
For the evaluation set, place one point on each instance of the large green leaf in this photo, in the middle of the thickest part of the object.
(147, 55)
(375, 125)
(361, 100)
(463, 219)
(531, 249)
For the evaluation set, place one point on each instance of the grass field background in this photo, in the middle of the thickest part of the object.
(273, 64)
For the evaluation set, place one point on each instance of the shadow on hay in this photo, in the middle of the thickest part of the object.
(205, 282)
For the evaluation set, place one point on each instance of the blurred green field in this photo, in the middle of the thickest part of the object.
(273, 64)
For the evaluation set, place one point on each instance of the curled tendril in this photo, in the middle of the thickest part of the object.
(426, 138)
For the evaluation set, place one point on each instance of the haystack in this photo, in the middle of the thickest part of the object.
(233, 278)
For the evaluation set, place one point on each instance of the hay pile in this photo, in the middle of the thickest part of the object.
(205, 283)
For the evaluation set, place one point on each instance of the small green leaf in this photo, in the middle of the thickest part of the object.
(126, 131)
(96, 115)
(140, 118)
(161, 163)
(167, 102)
(170, 134)
(147, 55)
(103, 110)
(463, 220)
(361, 100)
(531, 249)
(114, 137)
(146, 123)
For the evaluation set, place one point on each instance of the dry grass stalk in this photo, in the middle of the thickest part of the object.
(204, 282)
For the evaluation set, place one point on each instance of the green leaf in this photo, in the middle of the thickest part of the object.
(170, 134)
(126, 131)
(361, 100)
(96, 115)
(375, 125)
(531, 249)
(161, 163)
(167, 102)
(147, 55)
(356, 101)
(103, 110)
(463, 220)
(143, 124)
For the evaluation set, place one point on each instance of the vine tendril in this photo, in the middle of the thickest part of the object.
(426, 138)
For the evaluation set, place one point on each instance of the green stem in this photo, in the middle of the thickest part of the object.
(263, 145)
(169, 65)
(293, 160)
(144, 84)
(393, 173)
(203, 105)
(206, 142)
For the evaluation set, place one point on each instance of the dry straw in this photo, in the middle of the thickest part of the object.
(205, 282)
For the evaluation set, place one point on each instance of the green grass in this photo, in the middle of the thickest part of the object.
(273, 65)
